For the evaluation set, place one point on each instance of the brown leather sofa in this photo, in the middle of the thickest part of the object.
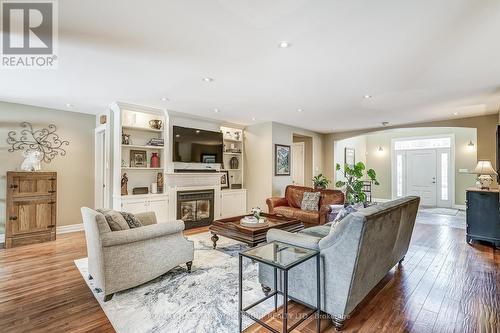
(289, 206)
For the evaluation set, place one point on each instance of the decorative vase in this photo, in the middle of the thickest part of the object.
(155, 124)
(319, 187)
(155, 160)
(234, 163)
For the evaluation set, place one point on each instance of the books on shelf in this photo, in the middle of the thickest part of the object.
(157, 142)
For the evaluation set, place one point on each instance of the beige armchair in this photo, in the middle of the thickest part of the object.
(119, 260)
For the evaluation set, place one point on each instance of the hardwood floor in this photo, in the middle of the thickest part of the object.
(444, 285)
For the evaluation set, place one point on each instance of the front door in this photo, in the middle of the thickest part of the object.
(421, 168)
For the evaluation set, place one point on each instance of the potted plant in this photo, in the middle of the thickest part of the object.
(353, 183)
(320, 182)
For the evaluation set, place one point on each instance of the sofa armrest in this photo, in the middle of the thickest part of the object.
(324, 212)
(142, 233)
(275, 202)
(146, 218)
(306, 241)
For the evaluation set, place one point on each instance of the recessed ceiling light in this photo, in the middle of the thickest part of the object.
(367, 96)
(216, 110)
(455, 113)
(164, 99)
(208, 79)
(253, 118)
(299, 110)
(68, 105)
(284, 44)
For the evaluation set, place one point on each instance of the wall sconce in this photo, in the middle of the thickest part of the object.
(380, 149)
(470, 145)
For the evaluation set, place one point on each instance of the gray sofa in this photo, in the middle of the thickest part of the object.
(119, 260)
(355, 256)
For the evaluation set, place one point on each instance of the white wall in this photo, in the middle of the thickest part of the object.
(359, 145)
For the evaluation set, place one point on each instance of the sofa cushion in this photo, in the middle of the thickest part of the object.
(115, 220)
(319, 231)
(310, 201)
(285, 211)
(306, 216)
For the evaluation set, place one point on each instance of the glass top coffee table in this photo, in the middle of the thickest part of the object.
(284, 257)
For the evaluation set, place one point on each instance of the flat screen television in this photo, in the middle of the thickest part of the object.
(191, 145)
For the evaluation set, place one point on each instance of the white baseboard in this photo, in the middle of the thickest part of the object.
(69, 228)
(460, 207)
(59, 230)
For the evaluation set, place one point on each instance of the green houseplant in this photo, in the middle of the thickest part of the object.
(353, 183)
(320, 182)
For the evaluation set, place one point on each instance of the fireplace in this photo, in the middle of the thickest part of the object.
(195, 208)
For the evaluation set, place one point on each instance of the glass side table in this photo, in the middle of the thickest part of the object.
(284, 257)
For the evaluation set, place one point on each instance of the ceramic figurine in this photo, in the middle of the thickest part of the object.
(124, 184)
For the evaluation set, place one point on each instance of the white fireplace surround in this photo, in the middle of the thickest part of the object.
(192, 181)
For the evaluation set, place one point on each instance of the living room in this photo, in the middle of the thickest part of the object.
(249, 167)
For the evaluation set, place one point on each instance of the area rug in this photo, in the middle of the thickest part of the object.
(204, 301)
(447, 217)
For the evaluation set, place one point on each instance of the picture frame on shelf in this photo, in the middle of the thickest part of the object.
(138, 159)
(282, 160)
(224, 179)
(208, 158)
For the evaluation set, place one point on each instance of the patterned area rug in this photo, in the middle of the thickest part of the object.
(204, 301)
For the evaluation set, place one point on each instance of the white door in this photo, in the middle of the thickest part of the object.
(421, 169)
(298, 162)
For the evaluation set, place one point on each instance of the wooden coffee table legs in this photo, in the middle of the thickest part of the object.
(214, 239)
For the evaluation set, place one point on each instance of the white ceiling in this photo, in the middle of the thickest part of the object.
(420, 60)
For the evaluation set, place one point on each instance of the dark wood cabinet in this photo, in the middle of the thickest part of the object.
(483, 216)
(31, 208)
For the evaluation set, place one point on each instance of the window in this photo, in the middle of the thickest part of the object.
(423, 143)
(444, 176)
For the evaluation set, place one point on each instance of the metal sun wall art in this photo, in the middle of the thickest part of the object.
(45, 141)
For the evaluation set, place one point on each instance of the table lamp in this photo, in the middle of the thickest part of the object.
(485, 170)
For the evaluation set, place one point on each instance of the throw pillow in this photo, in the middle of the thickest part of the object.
(115, 220)
(132, 221)
(334, 212)
(310, 201)
(341, 215)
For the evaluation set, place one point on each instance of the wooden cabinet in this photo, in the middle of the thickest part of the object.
(483, 216)
(147, 203)
(233, 203)
(31, 208)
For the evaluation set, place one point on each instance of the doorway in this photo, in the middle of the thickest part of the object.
(301, 169)
(298, 163)
(422, 167)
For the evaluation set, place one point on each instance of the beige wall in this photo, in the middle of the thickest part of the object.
(75, 171)
(259, 159)
(258, 165)
(485, 126)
